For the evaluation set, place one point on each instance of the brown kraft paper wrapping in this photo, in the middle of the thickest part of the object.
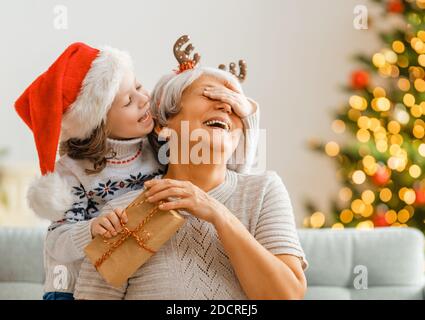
(119, 257)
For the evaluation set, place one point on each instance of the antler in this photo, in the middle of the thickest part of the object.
(232, 69)
(183, 55)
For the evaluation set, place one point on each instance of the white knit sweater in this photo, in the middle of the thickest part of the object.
(71, 198)
(90, 193)
(193, 263)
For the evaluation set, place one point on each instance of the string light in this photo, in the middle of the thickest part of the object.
(385, 194)
(381, 104)
(398, 46)
(363, 135)
(346, 216)
(400, 114)
(363, 122)
(338, 226)
(394, 127)
(396, 139)
(378, 60)
(317, 220)
(332, 149)
(390, 56)
(390, 216)
(419, 85)
(358, 102)
(365, 225)
(358, 177)
(403, 84)
(368, 211)
(416, 111)
(379, 92)
(408, 100)
(415, 171)
(421, 149)
(358, 206)
(368, 196)
(409, 196)
(418, 132)
(403, 216)
(421, 60)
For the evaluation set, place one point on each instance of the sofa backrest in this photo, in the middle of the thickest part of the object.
(21, 254)
(390, 256)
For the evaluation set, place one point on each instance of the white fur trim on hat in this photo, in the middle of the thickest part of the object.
(49, 196)
(97, 93)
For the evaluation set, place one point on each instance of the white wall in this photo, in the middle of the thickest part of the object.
(298, 54)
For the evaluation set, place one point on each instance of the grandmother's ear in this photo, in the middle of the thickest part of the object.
(157, 128)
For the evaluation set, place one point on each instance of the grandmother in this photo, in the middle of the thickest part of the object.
(239, 240)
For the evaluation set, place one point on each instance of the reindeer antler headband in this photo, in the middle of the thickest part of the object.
(232, 69)
(185, 61)
(183, 55)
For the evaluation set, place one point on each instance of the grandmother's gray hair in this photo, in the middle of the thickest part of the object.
(167, 94)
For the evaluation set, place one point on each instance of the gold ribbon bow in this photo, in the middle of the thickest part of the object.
(126, 233)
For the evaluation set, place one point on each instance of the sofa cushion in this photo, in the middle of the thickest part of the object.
(327, 293)
(21, 291)
(373, 293)
(21, 252)
(390, 256)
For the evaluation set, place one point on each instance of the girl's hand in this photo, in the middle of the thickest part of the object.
(241, 106)
(108, 225)
(189, 198)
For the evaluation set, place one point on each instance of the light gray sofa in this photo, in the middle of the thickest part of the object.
(342, 263)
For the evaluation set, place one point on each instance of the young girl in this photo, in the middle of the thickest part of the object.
(90, 101)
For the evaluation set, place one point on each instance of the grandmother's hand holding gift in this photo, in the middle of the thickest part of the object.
(189, 198)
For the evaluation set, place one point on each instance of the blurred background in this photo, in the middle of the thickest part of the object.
(332, 76)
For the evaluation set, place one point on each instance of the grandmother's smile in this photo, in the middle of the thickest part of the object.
(218, 123)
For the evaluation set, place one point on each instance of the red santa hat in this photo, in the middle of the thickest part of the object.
(72, 97)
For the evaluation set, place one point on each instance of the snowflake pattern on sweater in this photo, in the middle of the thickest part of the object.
(91, 192)
(89, 206)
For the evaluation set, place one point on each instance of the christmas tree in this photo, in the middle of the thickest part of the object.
(381, 166)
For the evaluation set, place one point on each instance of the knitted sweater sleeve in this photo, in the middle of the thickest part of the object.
(69, 231)
(275, 229)
(66, 243)
(243, 159)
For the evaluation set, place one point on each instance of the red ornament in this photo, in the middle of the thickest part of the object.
(420, 197)
(381, 176)
(359, 79)
(379, 220)
(395, 6)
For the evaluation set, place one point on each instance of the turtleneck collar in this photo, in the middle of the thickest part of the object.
(225, 190)
(124, 149)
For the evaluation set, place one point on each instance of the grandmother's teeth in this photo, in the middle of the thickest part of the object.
(224, 124)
